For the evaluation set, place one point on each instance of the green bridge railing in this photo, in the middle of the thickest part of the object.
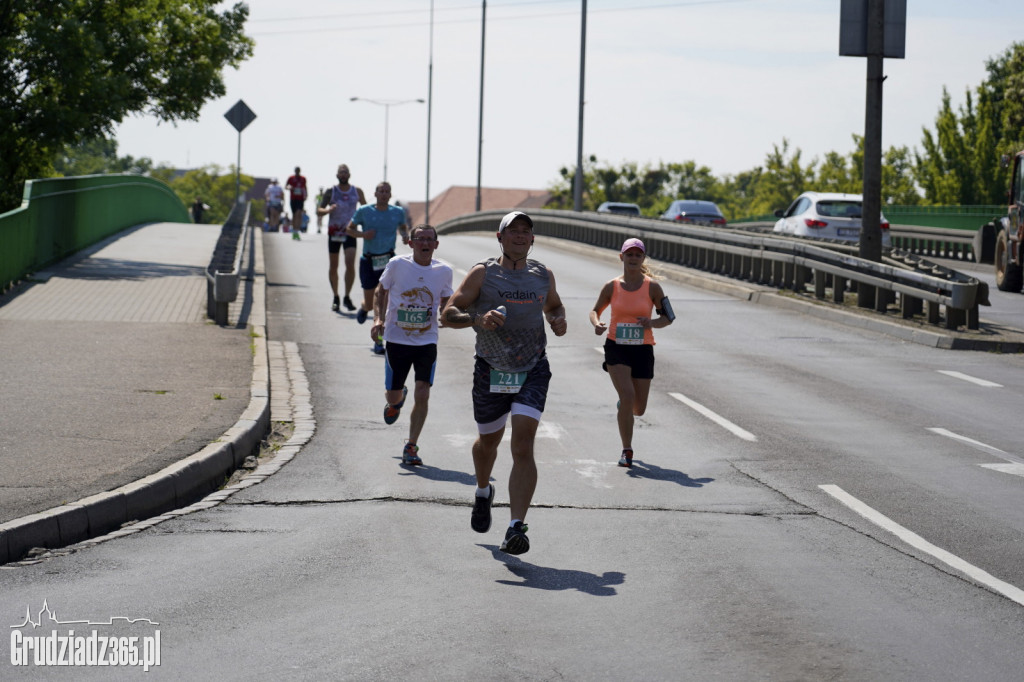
(61, 216)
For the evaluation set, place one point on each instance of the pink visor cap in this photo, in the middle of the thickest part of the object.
(633, 243)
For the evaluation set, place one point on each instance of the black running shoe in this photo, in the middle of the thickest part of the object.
(516, 541)
(361, 315)
(626, 460)
(481, 518)
(336, 306)
(348, 303)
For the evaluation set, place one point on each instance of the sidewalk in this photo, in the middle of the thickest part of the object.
(111, 374)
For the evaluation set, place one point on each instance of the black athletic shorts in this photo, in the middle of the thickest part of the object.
(640, 358)
(399, 358)
(336, 246)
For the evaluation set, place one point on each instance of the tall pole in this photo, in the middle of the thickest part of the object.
(577, 190)
(480, 137)
(387, 104)
(871, 232)
(238, 169)
(430, 104)
(387, 112)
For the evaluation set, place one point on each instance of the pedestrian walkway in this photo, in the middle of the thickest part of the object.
(112, 373)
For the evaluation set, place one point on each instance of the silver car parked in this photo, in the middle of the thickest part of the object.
(826, 215)
(619, 207)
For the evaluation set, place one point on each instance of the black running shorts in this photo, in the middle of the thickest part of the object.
(399, 358)
(640, 358)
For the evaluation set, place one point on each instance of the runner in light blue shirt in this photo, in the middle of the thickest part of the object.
(380, 225)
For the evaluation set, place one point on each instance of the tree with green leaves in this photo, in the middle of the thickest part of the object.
(960, 163)
(898, 185)
(72, 69)
(946, 168)
(209, 183)
(1005, 90)
(782, 179)
(96, 156)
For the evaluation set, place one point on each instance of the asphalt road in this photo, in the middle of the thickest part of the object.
(719, 555)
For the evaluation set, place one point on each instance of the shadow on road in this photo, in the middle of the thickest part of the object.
(642, 469)
(435, 474)
(544, 578)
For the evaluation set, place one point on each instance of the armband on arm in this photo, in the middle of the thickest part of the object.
(666, 309)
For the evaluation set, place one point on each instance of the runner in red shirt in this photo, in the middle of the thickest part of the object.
(297, 186)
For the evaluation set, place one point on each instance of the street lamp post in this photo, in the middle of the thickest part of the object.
(387, 104)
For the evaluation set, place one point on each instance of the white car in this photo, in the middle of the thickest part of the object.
(826, 215)
(618, 207)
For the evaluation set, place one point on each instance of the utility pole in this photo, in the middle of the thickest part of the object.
(430, 106)
(239, 116)
(480, 136)
(577, 185)
(871, 211)
(875, 29)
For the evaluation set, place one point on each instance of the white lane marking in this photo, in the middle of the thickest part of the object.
(593, 471)
(1012, 468)
(967, 377)
(1001, 454)
(718, 419)
(455, 271)
(914, 540)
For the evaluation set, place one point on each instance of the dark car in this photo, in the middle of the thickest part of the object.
(694, 211)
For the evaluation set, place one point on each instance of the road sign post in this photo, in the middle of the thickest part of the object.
(874, 29)
(239, 116)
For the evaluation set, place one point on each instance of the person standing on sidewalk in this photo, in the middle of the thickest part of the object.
(506, 300)
(629, 348)
(380, 225)
(341, 203)
(197, 210)
(412, 291)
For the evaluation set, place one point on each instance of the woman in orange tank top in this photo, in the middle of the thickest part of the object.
(629, 348)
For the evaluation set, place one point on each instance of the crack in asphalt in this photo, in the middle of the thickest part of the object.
(803, 512)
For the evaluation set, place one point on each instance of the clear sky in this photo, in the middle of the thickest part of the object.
(718, 82)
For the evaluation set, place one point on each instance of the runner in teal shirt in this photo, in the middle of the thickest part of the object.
(380, 225)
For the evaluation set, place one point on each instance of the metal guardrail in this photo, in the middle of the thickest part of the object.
(931, 242)
(936, 242)
(225, 268)
(940, 295)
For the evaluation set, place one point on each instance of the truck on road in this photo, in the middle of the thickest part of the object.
(1001, 241)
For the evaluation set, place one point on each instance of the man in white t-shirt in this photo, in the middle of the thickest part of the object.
(274, 197)
(412, 289)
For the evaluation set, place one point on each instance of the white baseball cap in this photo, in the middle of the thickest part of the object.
(507, 220)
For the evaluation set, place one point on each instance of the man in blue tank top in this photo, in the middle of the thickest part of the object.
(507, 300)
